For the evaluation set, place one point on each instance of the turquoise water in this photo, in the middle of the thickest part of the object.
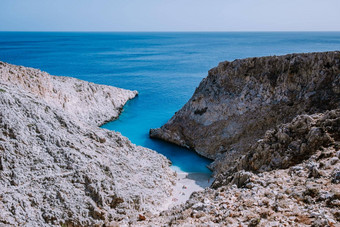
(164, 67)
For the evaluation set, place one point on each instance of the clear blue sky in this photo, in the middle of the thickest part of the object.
(169, 15)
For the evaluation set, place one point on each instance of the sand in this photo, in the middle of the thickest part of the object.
(186, 184)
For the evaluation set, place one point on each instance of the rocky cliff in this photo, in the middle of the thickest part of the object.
(91, 103)
(305, 193)
(238, 101)
(272, 125)
(285, 145)
(58, 168)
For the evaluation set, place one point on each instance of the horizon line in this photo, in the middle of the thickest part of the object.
(172, 31)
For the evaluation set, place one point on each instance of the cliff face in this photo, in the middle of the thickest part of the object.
(285, 145)
(238, 101)
(58, 168)
(272, 125)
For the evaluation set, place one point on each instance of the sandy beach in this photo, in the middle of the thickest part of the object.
(186, 184)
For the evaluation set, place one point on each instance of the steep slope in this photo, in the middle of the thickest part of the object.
(238, 101)
(91, 103)
(285, 145)
(272, 126)
(280, 188)
(56, 169)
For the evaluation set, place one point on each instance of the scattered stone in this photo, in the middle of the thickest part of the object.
(241, 178)
(334, 160)
(141, 217)
(336, 176)
(314, 172)
(338, 154)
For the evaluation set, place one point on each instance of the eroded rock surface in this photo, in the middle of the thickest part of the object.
(305, 193)
(58, 168)
(92, 103)
(239, 101)
(286, 145)
(272, 126)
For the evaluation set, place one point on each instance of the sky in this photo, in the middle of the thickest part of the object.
(169, 15)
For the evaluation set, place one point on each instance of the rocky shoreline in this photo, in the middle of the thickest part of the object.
(88, 102)
(239, 101)
(306, 194)
(272, 126)
(57, 167)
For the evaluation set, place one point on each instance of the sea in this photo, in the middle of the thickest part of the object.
(164, 67)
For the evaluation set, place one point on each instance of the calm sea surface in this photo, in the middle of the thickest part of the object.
(164, 67)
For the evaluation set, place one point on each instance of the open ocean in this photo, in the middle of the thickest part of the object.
(165, 68)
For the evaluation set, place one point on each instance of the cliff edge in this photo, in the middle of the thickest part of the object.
(91, 103)
(272, 124)
(57, 168)
(239, 101)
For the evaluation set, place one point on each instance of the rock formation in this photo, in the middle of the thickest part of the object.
(86, 101)
(272, 124)
(58, 168)
(285, 145)
(305, 194)
(238, 101)
(291, 177)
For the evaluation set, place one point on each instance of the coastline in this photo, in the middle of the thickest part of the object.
(186, 184)
(118, 183)
(57, 161)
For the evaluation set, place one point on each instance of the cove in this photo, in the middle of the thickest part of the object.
(133, 124)
(165, 68)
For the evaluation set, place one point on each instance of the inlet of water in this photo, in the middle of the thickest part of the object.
(164, 68)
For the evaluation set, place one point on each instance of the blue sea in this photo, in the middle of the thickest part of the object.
(164, 67)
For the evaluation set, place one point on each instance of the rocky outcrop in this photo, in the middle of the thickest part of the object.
(283, 197)
(57, 168)
(239, 101)
(91, 103)
(288, 178)
(284, 146)
(272, 125)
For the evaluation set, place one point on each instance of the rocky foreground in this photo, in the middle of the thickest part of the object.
(58, 168)
(300, 193)
(272, 125)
